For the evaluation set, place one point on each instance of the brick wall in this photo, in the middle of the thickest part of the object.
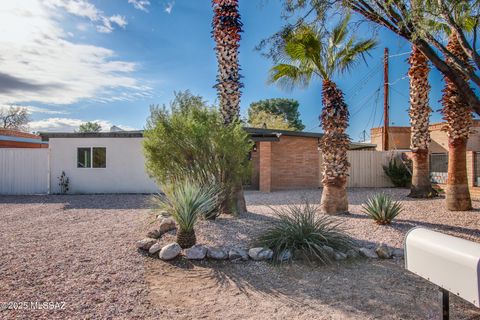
(292, 162)
(295, 163)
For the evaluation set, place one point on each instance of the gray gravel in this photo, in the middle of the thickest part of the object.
(82, 250)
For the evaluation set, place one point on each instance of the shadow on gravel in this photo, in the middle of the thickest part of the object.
(90, 201)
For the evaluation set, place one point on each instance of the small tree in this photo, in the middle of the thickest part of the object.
(14, 118)
(191, 141)
(286, 109)
(267, 120)
(90, 127)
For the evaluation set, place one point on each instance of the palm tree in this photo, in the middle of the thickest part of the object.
(458, 115)
(310, 53)
(419, 120)
(226, 32)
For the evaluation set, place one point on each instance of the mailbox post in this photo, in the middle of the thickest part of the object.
(451, 263)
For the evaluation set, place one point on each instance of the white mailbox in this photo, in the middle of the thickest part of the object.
(451, 263)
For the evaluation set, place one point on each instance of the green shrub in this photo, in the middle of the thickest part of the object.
(304, 233)
(191, 141)
(400, 173)
(186, 201)
(382, 208)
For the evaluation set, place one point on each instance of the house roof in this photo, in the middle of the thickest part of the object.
(115, 134)
(257, 134)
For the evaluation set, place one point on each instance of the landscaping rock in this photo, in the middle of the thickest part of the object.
(146, 243)
(217, 253)
(197, 252)
(155, 248)
(155, 234)
(166, 225)
(259, 254)
(398, 253)
(369, 253)
(383, 251)
(162, 215)
(352, 253)
(238, 254)
(338, 256)
(329, 250)
(170, 251)
(285, 256)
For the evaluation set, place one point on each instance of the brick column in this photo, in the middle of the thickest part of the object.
(470, 168)
(265, 165)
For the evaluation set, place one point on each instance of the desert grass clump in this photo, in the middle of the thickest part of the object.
(186, 201)
(382, 208)
(304, 233)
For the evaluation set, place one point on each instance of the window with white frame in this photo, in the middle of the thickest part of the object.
(95, 157)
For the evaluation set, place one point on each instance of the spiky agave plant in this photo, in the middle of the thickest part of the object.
(186, 200)
(303, 232)
(382, 208)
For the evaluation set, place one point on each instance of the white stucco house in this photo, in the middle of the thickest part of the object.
(104, 162)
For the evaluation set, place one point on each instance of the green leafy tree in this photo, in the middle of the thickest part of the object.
(264, 119)
(287, 109)
(90, 127)
(309, 53)
(189, 140)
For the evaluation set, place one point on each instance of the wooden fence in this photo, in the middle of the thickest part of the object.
(23, 171)
(366, 169)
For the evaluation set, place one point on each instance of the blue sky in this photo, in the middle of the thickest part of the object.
(71, 61)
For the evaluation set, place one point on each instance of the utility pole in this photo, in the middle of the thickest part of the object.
(385, 100)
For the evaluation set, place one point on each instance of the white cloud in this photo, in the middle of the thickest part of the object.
(84, 9)
(169, 7)
(33, 109)
(38, 63)
(68, 125)
(140, 4)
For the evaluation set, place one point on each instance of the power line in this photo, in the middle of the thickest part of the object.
(400, 54)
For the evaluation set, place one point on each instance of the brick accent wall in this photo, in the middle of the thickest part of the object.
(265, 165)
(295, 163)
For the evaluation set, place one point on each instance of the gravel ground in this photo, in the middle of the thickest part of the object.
(81, 250)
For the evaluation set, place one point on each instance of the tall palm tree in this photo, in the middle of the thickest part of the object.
(458, 115)
(227, 27)
(310, 53)
(419, 120)
(226, 32)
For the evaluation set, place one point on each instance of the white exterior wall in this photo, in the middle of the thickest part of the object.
(124, 172)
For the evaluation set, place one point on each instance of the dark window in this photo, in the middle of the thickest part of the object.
(99, 157)
(439, 167)
(84, 158)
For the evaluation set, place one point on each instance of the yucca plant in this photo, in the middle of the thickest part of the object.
(186, 201)
(303, 232)
(382, 208)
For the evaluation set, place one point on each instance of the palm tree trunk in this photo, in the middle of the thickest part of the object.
(226, 32)
(334, 146)
(458, 115)
(419, 120)
(457, 193)
(421, 184)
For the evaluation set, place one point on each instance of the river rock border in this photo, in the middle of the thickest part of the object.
(200, 252)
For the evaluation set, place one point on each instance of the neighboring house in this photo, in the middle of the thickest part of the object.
(113, 162)
(288, 159)
(399, 139)
(103, 162)
(18, 139)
